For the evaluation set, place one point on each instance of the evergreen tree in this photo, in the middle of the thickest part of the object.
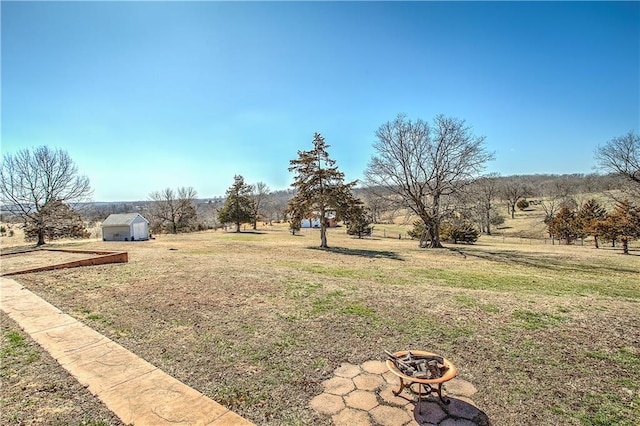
(238, 207)
(459, 230)
(564, 225)
(58, 221)
(625, 223)
(320, 186)
(358, 219)
(589, 216)
(418, 230)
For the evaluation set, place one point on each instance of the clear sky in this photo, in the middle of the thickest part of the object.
(149, 95)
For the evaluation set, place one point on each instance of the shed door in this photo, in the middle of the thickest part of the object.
(139, 230)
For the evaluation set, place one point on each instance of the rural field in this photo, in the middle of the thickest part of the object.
(549, 334)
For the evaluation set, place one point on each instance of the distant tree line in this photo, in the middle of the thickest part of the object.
(430, 170)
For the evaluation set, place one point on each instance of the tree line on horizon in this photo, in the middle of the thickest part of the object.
(431, 169)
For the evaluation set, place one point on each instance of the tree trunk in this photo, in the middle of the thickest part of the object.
(323, 235)
(434, 225)
(423, 239)
(40, 236)
(435, 237)
(488, 223)
(595, 241)
(625, 246)
(237, 226)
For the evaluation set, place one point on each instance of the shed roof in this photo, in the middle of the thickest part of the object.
(121, 219)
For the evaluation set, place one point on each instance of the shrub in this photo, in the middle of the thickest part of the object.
(417, 231)
(459, 231)
(564, 226)
(496, 219)
(522, 204)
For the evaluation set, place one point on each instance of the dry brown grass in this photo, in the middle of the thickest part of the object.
(548, 334)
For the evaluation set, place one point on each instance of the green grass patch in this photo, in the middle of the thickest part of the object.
(333, 271)
(327, 302)
(608, 409)
(624, 356)
(15, 353)
(522, 277)
(466, 301)
(99, 318)
(301, 289)
(358, 310)
(536, 320)
(472, 302)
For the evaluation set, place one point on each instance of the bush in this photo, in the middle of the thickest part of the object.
(460, 231)
(496, 219)
(522, 204)
(417, 231)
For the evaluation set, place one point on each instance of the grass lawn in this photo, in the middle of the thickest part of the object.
(548, 334)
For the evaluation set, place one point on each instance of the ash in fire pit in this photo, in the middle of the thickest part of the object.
(419, 366)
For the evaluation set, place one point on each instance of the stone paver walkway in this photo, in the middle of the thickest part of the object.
(136, 391)
(363, 395)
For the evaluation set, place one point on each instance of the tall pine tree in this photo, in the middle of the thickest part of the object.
(238, 207)
(320, 187)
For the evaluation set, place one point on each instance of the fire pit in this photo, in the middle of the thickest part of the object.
(425, 369)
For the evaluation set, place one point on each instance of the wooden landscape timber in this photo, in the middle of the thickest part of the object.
(100, 258)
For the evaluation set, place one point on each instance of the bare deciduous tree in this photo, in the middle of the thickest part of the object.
(173, 211)
(621, 156)
(379, 207)
(514, 189)
(556, 194)
(31, 181)
(260, 194)
(421, 165)
(483, 194)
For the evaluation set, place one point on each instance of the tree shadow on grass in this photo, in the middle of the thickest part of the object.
(540, 261)
(374, 254)
(250, 232)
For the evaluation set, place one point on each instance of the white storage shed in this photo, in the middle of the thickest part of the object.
(125, 227)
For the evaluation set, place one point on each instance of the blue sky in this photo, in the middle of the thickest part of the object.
(149, 95)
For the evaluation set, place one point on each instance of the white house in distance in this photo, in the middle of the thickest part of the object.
(314, 222)
(125, 227)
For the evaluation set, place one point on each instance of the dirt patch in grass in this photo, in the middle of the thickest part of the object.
(257, 322)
